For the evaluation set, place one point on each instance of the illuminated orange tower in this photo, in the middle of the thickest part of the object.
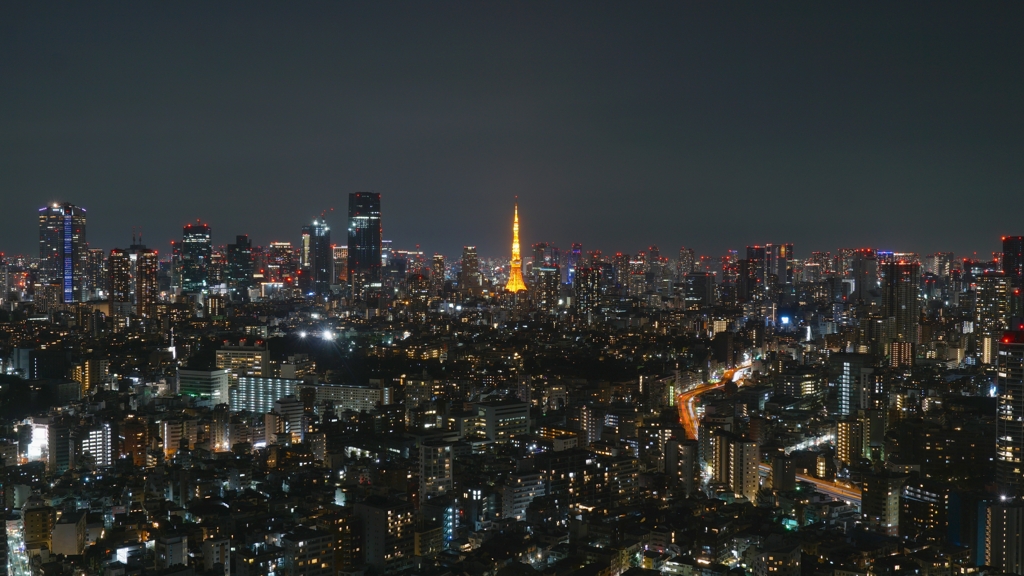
(515, 275)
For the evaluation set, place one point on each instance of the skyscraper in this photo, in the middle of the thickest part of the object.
(280, 261)
(470, 281)
(133, 281)
(240, 264)
(1013, 259)
(587, 291)
(546, 289)
(686, 263)
(992, 297)
(864, 268)
(321, 258)
(196, 254)
(437, 273)
(900, 301)
(515, 273)
(63, 250)
(1010, 412)
(575, 255)
(364, 238)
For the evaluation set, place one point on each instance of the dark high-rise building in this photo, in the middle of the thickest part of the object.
(902, 279)
(321, 258)
(757, 262)
(240, 264)
(196, 252)
(779, 257)
(470, 281)
(365, 236)
(1013, 259)
(699, 289)
(587, 288)
(1010, 413)
(864, 268)
(63, 250)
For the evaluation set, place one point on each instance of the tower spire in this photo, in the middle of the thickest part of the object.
(515, 274)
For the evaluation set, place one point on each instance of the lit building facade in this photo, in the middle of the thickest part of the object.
(63, 249)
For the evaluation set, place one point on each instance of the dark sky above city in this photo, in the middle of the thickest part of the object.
(618, 125)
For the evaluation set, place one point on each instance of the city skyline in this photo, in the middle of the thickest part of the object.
(618, 129)
(296, 240)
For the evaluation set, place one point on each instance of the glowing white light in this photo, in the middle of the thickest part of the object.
(328, 335)
(302, 334)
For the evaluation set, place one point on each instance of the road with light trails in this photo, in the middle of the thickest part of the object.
(688, 418)
(838, 491)
(685, 400)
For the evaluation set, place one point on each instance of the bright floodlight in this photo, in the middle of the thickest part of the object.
(302, 334)
(328, 335)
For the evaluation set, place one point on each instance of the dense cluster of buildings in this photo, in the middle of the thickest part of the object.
(358, 409)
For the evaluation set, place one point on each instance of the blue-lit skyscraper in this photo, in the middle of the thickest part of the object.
(63, 250)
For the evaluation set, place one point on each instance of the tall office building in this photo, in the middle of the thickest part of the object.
(687, 262)
(900, 301)
(321, 258)
(992, 302)
(437, 266)
(779, 258)
(280, 261)
(63, 250)
(636, 285)
(133, 281)
(864, 269)
(549, 279)
(470, 280)
(699, 289)
(340, 264)
(757, 261)
(573, 262)
(95, 273)
(515, 274)
(196, 253)
(1013, 259)
(1010, 413)
(365, 236)
(587, 291)
(240, 264)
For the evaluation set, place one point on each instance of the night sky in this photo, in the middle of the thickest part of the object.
(619, 125)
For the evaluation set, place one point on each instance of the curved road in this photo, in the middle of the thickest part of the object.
(688, 418)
